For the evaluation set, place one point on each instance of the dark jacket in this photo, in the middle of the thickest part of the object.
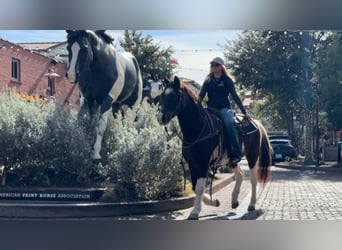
(218, 91)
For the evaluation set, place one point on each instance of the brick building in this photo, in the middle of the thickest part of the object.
(28, 72)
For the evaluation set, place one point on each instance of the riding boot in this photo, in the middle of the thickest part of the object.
(232, 155)
(235, 143)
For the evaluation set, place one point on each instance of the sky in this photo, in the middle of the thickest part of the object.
(193, 48)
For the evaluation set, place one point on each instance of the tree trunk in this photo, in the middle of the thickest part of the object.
(308, 149)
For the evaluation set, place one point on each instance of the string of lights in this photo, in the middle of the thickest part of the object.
(186, 50)
(197, 50)
(192, 69)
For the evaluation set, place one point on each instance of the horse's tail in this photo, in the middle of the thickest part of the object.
(265, 156)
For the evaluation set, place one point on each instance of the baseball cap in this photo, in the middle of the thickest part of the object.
(218, 60)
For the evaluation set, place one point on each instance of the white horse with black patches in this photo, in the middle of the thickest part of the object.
(152, 91)
(107, 79)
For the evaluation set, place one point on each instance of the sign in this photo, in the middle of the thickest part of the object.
(46, 194)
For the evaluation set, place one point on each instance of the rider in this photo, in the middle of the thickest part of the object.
(218, 85)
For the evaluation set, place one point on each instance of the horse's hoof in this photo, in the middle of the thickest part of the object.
(235, 204)
(217, 203)
(193, 216)
(251, 208)
(96, 156)
(96, 161)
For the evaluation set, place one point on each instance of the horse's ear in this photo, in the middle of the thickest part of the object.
(166, 81)
(69, 31)
(176, 82)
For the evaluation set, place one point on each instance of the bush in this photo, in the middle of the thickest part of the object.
(41, 145)
(45, 145)
(143, 161)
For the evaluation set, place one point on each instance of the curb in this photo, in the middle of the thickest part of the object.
(312, 168)
(15, 209)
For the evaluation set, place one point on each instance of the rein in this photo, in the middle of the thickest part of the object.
(200, 138)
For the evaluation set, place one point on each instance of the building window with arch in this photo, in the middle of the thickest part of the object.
(15, 69)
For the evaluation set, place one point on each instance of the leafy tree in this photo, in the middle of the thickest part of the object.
(328, 68)
(278, 64)
(271, 64)
(152, 58)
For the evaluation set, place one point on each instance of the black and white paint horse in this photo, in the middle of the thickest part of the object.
(152, 91)
(202, 145)
(107, 79)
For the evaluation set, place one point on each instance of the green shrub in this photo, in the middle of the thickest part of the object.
(45, 145)
(142, 159)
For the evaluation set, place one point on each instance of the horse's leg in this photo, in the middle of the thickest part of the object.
(101, 126)
(254, 182)
(252, 142)
(238, 173)
(199, 191)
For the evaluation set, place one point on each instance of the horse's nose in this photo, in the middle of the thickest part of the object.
(160, 118)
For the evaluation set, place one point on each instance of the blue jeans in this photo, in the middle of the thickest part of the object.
(231, 134)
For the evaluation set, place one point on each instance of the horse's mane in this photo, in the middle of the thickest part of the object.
(99, 33)
(190, 92)
(72, 35)
(105, 37)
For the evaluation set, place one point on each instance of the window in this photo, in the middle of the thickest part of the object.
(15, 69)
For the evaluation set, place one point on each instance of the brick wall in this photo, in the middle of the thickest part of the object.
(33, 67)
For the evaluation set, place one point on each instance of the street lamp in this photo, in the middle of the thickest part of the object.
(51, 75)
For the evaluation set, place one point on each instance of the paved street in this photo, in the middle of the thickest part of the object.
(291, 195)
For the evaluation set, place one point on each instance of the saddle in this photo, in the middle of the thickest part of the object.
(244, 125)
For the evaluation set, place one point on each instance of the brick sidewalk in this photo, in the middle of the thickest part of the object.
(302, 195)
(292, 194)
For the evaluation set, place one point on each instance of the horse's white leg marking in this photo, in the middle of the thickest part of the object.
(102, 121)
(254, 182)
(75, 48)
(238, 173)
(100, 128)
(199, 190)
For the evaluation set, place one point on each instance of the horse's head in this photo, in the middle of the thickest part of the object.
(156, 89)
(170, 101)
(80, 53)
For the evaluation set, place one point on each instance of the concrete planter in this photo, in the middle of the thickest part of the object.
(86, 203)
